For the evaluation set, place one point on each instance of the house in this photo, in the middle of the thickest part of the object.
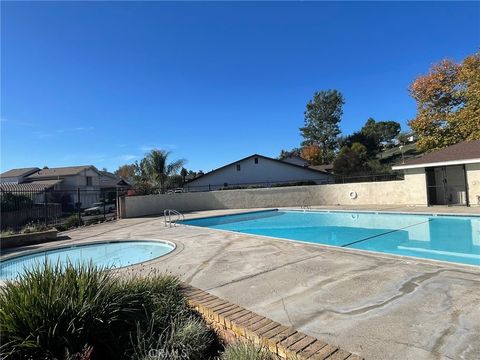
(17, 176)
(257, 170)
(85, 177)
(296, 160)
(109, 180)
(68, 185)
(328, 168)
(450, 176)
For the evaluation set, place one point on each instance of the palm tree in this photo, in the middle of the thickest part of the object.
(184, 173)
(157, 168)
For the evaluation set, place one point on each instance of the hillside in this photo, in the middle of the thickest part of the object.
(394, 155)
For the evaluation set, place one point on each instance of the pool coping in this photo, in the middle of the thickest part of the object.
(404, 258)
(390, 212)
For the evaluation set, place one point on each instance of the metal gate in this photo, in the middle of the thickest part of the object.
(447, 185)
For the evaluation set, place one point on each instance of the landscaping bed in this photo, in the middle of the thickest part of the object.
(85, 313)
(14, 240)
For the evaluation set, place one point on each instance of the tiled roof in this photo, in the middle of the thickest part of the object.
(60, 171)
(327, 167)
(19, 172)
(467, 150)
(38, 185)
(109, 179)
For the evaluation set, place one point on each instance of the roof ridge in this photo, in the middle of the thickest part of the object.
(262, 156)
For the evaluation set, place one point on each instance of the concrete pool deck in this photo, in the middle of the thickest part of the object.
(375, 305)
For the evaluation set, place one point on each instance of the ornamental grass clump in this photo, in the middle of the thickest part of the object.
(242, 351)
(84, 312)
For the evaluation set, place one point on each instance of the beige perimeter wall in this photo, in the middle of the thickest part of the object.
(410, 191)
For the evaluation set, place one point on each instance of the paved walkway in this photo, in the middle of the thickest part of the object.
(378, 306)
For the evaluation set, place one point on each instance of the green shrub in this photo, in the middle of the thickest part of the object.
(187, 337)
(242, 351)
(74, 312)
(12, 202)
(33, 227)
(7, 232)
(95, 220)
(71, 222)
(298, 183)
(30, 227)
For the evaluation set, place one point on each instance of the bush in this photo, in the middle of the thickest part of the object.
(34, 227)
(12, 202)
(7, 232)
(267, 185)
(29, 228)
(82, 312)
(241, 351)
(95, 220)
(71, 222)
(186, 338)
(298, 183)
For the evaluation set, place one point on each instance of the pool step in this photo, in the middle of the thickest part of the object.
(233, 322)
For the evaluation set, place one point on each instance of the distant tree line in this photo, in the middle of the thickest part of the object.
(323, 143)
(448, 111)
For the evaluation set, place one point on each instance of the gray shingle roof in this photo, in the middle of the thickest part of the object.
(33, 186)
(60, 171)
(19, 172)
(467, 150)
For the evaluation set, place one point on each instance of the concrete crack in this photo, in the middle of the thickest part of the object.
(261, 273)
(286, 312)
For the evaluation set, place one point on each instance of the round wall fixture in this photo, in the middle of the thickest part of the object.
(352, 194)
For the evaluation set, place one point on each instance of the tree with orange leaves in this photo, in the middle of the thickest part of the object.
(467, 117)
(312, 153)
(322, 118)
(448, 104)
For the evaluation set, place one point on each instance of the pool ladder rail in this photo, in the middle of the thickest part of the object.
(306, 205)
(167, 213)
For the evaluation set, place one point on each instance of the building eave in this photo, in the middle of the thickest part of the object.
(260, 156)
(433, 164)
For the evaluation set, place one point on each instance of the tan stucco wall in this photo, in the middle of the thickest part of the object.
(410, 191)
(473, 180)
(415, 187)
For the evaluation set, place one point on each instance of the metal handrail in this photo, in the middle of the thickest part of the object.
(306, 205)
(169, 212)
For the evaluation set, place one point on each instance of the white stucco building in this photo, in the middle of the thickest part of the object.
(257, 170)
(450, 176)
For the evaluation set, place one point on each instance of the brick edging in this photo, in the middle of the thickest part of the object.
(234, 322)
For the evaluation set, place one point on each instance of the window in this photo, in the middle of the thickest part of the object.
(89, 181)
(256, 160)
(238, 167)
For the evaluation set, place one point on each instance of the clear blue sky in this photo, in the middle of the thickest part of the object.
(101, 83)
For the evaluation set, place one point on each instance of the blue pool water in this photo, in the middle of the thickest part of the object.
(107, 255)
(447, 238)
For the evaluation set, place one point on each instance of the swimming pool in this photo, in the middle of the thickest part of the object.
(103, 254)
(446, 238)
